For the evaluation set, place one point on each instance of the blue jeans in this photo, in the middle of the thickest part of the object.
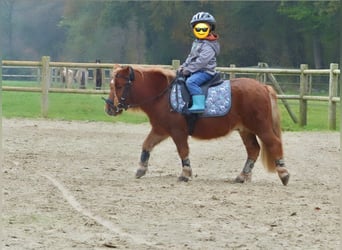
(195, 80)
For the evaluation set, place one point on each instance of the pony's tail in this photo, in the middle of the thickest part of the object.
(267, 159)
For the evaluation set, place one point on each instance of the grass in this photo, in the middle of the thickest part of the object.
(63, 107)
(317, 116)
(21, 83)
(91, 108)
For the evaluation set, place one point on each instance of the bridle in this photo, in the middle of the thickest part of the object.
(123, 105)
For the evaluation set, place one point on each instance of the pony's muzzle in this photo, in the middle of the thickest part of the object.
(110, 108)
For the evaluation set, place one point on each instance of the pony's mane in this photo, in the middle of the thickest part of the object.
(168, 73)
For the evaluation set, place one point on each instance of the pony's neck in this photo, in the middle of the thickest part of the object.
(151, 88)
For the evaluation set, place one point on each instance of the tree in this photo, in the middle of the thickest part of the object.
(279, 33)
(318, 21)
(29, 28)
(6, 27)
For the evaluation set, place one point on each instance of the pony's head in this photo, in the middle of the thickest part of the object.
(120, 84)
(136, 88)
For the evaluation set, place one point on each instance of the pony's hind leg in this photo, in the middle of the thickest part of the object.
(180, 138)
(253, 149)
(282, 171)
(246, 173)
(151, 140)
(272, 157)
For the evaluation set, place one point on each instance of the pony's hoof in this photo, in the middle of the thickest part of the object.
(242, 178)
(285, 179)
(183, 178)
(186, 174)
(283, 175)
(140, 172)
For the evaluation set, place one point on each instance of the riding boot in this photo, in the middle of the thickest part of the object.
(198, 104)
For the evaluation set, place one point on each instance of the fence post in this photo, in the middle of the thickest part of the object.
(261, 77)
(45, 83)
(98, 76)
(279, 90)
(333, 80)
(232, 74)
(303, 104)
(175, 64)
(1, 144)
(0, 107)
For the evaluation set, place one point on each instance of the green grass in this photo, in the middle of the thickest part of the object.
(63, 107)
(20, 104)
(21, 83)
(91, 108)
(317, 116)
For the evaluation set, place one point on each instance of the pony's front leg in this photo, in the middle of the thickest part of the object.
(186, 170)
(151, 140)
(144, 157)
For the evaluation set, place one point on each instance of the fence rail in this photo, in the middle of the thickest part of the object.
(263, 72)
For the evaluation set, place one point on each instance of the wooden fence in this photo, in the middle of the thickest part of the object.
(262, 73)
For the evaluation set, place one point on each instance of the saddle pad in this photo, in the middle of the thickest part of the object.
(217, 103)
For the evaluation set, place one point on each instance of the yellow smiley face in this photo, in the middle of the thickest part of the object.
(201, 30)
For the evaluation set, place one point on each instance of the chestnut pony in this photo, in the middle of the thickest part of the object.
(254, 113)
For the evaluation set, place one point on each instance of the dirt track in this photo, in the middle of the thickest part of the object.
(71, 185)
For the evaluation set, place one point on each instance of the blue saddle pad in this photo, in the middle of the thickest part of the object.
(218, 100)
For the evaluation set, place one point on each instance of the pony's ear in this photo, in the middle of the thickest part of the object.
(116, 66)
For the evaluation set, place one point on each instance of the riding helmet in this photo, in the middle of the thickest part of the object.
(204, 17)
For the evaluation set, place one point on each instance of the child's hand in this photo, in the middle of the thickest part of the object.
(186, 72)
(183, 72)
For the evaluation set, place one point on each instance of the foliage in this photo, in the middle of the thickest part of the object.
(280, 33)
(312, 15)
(30, 26)
(316, 20)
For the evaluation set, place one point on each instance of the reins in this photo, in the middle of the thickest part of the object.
(122, 105)
(150, 99)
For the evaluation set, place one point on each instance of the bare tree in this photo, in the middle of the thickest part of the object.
(6, 26)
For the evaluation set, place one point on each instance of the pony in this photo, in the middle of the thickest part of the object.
(67, 76)
(81, 78)
(254, 114)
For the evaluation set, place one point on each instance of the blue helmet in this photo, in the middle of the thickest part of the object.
(204, 17)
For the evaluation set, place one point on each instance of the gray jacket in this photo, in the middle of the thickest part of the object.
(202, 56)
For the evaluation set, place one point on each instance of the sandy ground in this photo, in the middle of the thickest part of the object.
(71, 185)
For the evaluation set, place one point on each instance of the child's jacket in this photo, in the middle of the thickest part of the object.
(202, 56)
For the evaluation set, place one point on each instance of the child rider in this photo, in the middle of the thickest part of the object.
(199, 66)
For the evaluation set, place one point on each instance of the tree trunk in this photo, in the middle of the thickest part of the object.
(7, 13)
(317, 50)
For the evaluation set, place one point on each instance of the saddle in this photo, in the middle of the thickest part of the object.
(218, 99)
(216, 91)
(212, 82)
